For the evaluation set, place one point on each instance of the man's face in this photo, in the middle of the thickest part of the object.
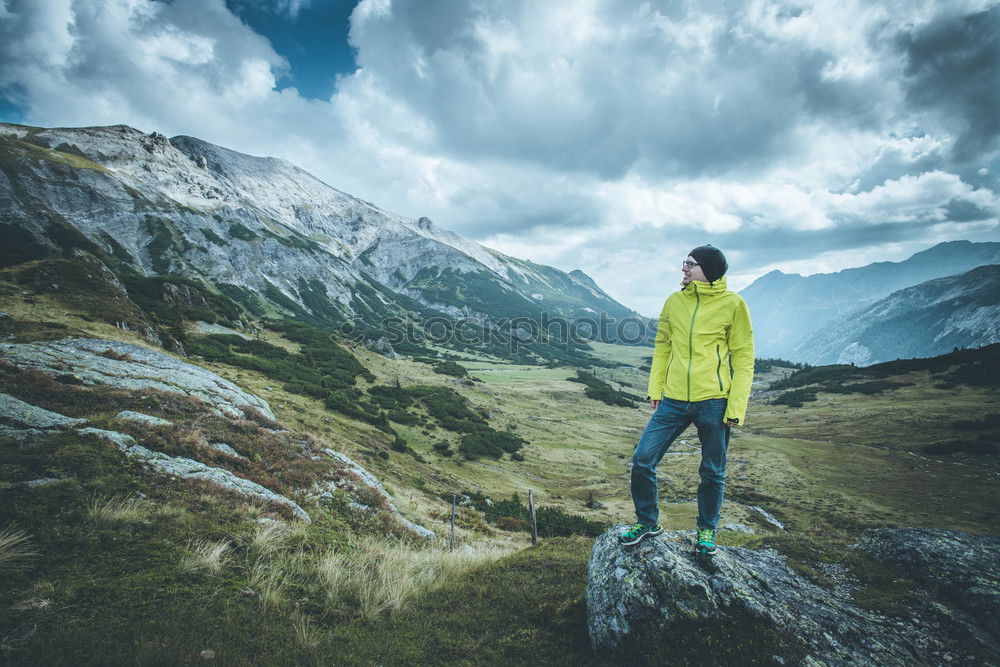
(692, 271)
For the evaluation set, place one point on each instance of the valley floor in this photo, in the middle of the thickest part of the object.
(90, 588)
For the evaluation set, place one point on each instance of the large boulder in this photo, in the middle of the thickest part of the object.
(133, 367)
(635, 591)
(965, 569)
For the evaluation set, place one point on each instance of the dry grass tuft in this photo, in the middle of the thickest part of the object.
(120, 510)
(205, 557)
(268, 581)
(307, 636)
(268, 537)
(15, 547)
(377, 575)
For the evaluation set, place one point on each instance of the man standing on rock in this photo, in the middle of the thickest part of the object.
(701, 374)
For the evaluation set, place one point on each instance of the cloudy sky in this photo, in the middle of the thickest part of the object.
(605, 135)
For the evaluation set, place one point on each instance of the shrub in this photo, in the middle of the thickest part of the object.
(832, 374)
(552, 522)
(489, 442)
(443, 449)
(989, 421)
(452, 368)
(450, 408)
(796, 397)
(982, 447)
(867, 388)
(602, 391)
(764, 365)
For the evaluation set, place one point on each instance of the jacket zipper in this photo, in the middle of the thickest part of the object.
(697, 304)
(718, 366)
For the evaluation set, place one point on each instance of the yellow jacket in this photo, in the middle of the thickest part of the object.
(704, 347)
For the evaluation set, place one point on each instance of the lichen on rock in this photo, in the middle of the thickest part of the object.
(359, 473)
(133, 367)
(26, 423)
(634, 591)
(186, 468)
(964, 568)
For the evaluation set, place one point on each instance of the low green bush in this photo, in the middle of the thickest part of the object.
(449, 367)
(552, 522)
(796, 397)
(982, 447)
(602, 391)
(489, 442)
(867, 388)
(989, 421)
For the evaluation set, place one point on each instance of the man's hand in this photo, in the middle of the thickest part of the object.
(655, 403)
(731, 422)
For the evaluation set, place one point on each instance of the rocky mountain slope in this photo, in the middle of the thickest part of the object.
(925, 320)
(259, 230)
(789, 309)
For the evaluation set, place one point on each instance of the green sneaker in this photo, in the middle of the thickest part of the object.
(706, 542)
(637, 532)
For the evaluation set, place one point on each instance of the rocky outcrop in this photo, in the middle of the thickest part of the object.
(16, 413)
(25, 422)
(964, 569)
(356, 474)
(227, 450)
(185, 468)
(140, 418)
(133, 367)
(649, 587)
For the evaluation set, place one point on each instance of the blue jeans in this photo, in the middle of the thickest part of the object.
(668, 421)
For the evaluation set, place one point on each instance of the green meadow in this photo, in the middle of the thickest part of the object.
(115, 564)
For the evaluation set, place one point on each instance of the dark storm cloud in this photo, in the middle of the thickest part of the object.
(667, 89)
(953, 68)
(684, 91)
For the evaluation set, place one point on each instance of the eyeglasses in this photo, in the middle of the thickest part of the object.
(688, 264)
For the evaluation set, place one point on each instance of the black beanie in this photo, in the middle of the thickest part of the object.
(711, 260)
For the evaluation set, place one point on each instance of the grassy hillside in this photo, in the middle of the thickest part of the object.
(116, 564)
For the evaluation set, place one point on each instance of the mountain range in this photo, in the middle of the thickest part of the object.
(270, 237)
(795, 316)
(263, 232)
(925, 320)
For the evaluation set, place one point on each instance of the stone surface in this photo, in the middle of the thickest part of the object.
(20, 415)
(635, 590)
(140, 418)
(42, 481)
(185, 468)
(23, 436)
(738, 528)
(206, 328)
(132, 367)
(358, 472)
(964, 568)
(227, 450)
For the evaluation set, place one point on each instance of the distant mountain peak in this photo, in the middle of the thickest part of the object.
(790, 310)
